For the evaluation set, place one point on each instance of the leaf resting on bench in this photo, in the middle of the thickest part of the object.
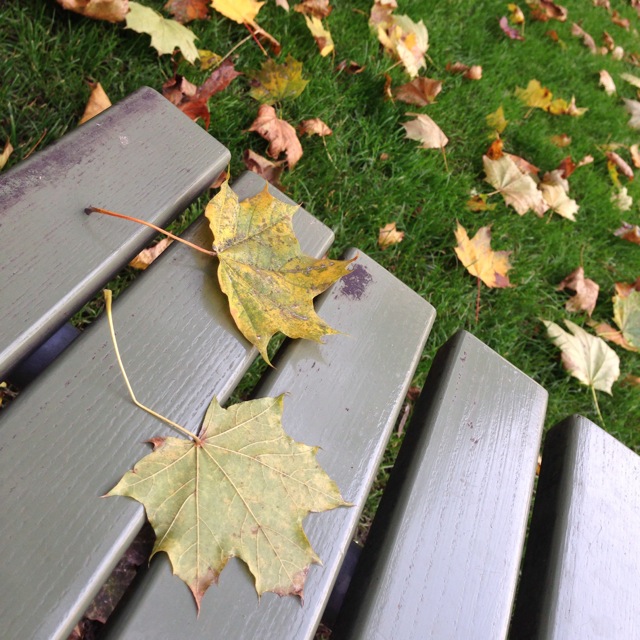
(270, 283)
(243, 492)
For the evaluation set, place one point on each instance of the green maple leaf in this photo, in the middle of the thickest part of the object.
(166, 35)
(242, 489)
(270, 283)
(278, 81)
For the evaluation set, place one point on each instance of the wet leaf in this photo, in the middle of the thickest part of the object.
(585, 357)
(166, 35)
(243, 490)
(480, 260)
(281, 135)
(269, 282)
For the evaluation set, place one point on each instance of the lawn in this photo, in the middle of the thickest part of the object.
(367, 174)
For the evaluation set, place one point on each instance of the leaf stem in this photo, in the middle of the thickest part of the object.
(107, 298)
(597, 406)
(236, 46)
(107, 212)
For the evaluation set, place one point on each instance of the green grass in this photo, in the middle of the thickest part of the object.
(369, 174)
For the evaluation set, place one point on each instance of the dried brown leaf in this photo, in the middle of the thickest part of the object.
(316, 8)
(185, 11)
(629, 232)
(279, 133)
(147, 256)
(98, 102)
(420, 91)
(270, 171)
(109, 10)
(585, 292)
(314, 126)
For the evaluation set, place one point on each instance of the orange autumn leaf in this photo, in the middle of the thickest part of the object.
(109, 10)
(316, 8)
(98, 102)
(420, 91)
(314, 126)
(147, 256)
(389, 235)
(480, 260)
(281, 135)
(187, 10)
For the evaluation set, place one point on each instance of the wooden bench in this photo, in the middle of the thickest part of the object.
(443, 556)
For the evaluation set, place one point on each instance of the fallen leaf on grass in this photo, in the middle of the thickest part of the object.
(275, 82)
(321, 35)
(109, 10)
(240, 11)
(634, 150)
(626, 312)
(607, 332)
(147, 256)
(187, 10)
(633, 108)
(585, 292)
(555, 191)
(269, 282)
(423, 129)
(6, 152)
(518, 190)
(631, 79)
(497, 121)
(352, 67)
(242, 490)
(587, 40)
(607, 82)
(279, 133)
(619, 21)
(166, 35)
(480, 260)
(420, 91)
(316, 8)
(585, 357)
(192, 100)
(478, 202)
(510, 31)
(473, 72)
(406, 40)
(537, 96)
(314, 126)
(389, 235)
(544, 10)
(381, 13)
(621, 199)
(515, 14)
(270, 171)
(621, 164)
(561, 140)
(633, 381)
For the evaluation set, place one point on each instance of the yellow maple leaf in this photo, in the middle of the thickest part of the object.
(322, 36)
(535, 95)
(240, 11)
(407, 40)
(269, 282)
(480, 260)
(277, 82)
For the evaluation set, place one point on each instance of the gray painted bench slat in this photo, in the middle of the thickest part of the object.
(443, 554)
(142, 157)
(67, 439)
(581, 573)
(344, 396)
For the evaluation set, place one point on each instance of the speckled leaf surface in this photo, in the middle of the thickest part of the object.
(243, 491)
(270, 283)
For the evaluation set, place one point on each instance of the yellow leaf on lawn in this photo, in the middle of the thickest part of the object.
(497, 121)
(518, 189)
(277, 82)
(535, 95)
(240, 11)
(480, 260)
(322, 36)
(98, 102)
(555, 191)
(270, 283)
(389, 235)
(407, 40)
(425, 130)
(166, 35)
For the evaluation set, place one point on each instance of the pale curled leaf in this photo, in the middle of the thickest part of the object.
(244, 492)
(586, 357)
(425, 130)
(585, 291)
(314, 126)
(607, 82)
(633, 108)
(270, 283)
(281, 135)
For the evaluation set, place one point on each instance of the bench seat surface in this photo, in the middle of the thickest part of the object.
(141, 157)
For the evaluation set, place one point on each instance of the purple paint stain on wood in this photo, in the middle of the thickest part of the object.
(355, 283)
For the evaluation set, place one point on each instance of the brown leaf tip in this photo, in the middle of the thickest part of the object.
(157, 442)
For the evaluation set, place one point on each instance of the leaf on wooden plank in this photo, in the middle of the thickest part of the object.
(420, 91)
(270, 171)
(423, 129)
(585, 357)
(98, 102)
(187, 10)
(269, 282)
(147, 256)
(317, 8)
(481, 260)
(555, 191)
(606, 81)
(389, 235)
(109, 10)
(6, 153)
(275, 82)
(243, 490)
(314, 126)
(518, 190)
(585, 292)
(166, 35)
(321, 35)
(240, 11)
(626, 312)
(280, 134)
